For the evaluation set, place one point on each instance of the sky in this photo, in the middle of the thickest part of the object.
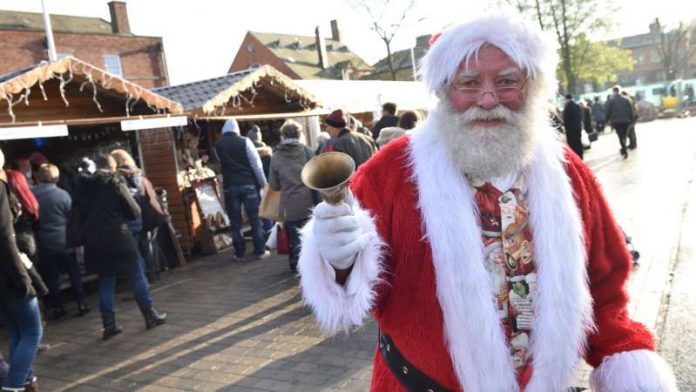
(201, 37)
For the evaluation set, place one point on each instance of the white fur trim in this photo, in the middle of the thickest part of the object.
(633, 371)
(522, 40)
(563, 303)
(472, 328)
(339, 307)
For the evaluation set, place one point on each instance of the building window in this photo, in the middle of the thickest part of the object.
(112, 64)
(655, 57)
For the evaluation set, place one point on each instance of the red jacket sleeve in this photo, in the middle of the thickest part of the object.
(608, 266)
(376, 185)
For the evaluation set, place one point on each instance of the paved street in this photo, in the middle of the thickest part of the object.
(242, 327)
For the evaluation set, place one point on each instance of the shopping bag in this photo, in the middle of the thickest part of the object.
(272, 242)
(283, 241)
(270, 205)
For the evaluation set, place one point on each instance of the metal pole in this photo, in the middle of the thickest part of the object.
(413, 64)
(52, 56)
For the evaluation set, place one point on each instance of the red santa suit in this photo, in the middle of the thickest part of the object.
(424, 278)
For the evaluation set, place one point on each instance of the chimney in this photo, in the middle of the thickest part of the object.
(321, 49)
(335, 31)
(655, 27)
(423, 41)
(119, 17)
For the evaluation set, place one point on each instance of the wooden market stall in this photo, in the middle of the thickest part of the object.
(262, 96)
(69, 109)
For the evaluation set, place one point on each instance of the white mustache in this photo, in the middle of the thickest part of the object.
(497, 113)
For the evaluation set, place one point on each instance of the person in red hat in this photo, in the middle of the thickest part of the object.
(472, 243)
(345, 140)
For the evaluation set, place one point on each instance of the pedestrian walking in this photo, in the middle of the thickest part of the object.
(106, 208)
(19, 307)
(347, 141)
(296, 200)
(242, 180)
(572, 122)
(54, 209)
(631, 134)
(388, 119)
(599, 115)
(620, 115)
(152, 214)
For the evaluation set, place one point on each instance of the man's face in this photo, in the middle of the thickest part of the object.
(493, 69)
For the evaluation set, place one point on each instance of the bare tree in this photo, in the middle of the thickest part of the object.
(386, 18)
(570, 21)
(677, 47)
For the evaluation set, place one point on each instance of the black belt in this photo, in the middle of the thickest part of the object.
(408, 375)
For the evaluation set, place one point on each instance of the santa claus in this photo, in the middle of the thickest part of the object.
(484, 173)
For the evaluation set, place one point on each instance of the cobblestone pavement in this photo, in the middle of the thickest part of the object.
(242, 326)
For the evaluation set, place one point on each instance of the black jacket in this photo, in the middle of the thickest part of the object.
(105, 207)
(354, 144)
(587, 122)
(231, 150)
(14, 279)
(572, 117)
(620, 110)
(385, 121)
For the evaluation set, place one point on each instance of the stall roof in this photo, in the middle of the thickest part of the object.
(252, 91)
(73, 90)
(360, 96)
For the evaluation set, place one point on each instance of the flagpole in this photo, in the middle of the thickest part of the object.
(52, 56)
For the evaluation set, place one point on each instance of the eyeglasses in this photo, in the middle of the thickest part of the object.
(505, 89)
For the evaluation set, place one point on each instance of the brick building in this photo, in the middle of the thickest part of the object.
(110, 45)
(301, 57)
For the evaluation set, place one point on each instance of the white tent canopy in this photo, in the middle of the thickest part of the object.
(360, 96)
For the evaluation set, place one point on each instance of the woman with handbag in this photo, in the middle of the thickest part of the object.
(296, 200)
(19, 308)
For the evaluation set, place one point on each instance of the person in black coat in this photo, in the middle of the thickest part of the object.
(388, 119)
(344, 140)
(19, 307)
(105, 208)
(572, 121)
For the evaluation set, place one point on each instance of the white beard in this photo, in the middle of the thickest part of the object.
(487, 152)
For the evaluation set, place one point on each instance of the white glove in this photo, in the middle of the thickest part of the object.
(338, 235)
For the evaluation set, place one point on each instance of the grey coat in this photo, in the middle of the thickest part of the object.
(286, 165)
(620, 110)
(54, 208)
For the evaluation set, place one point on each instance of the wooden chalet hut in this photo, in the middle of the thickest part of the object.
(259, 96)
(69, 109)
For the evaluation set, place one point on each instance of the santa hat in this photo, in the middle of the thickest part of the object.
(336, 119)
(532, 50)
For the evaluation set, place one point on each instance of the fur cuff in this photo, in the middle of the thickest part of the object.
(639, 370)
(339, 307)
